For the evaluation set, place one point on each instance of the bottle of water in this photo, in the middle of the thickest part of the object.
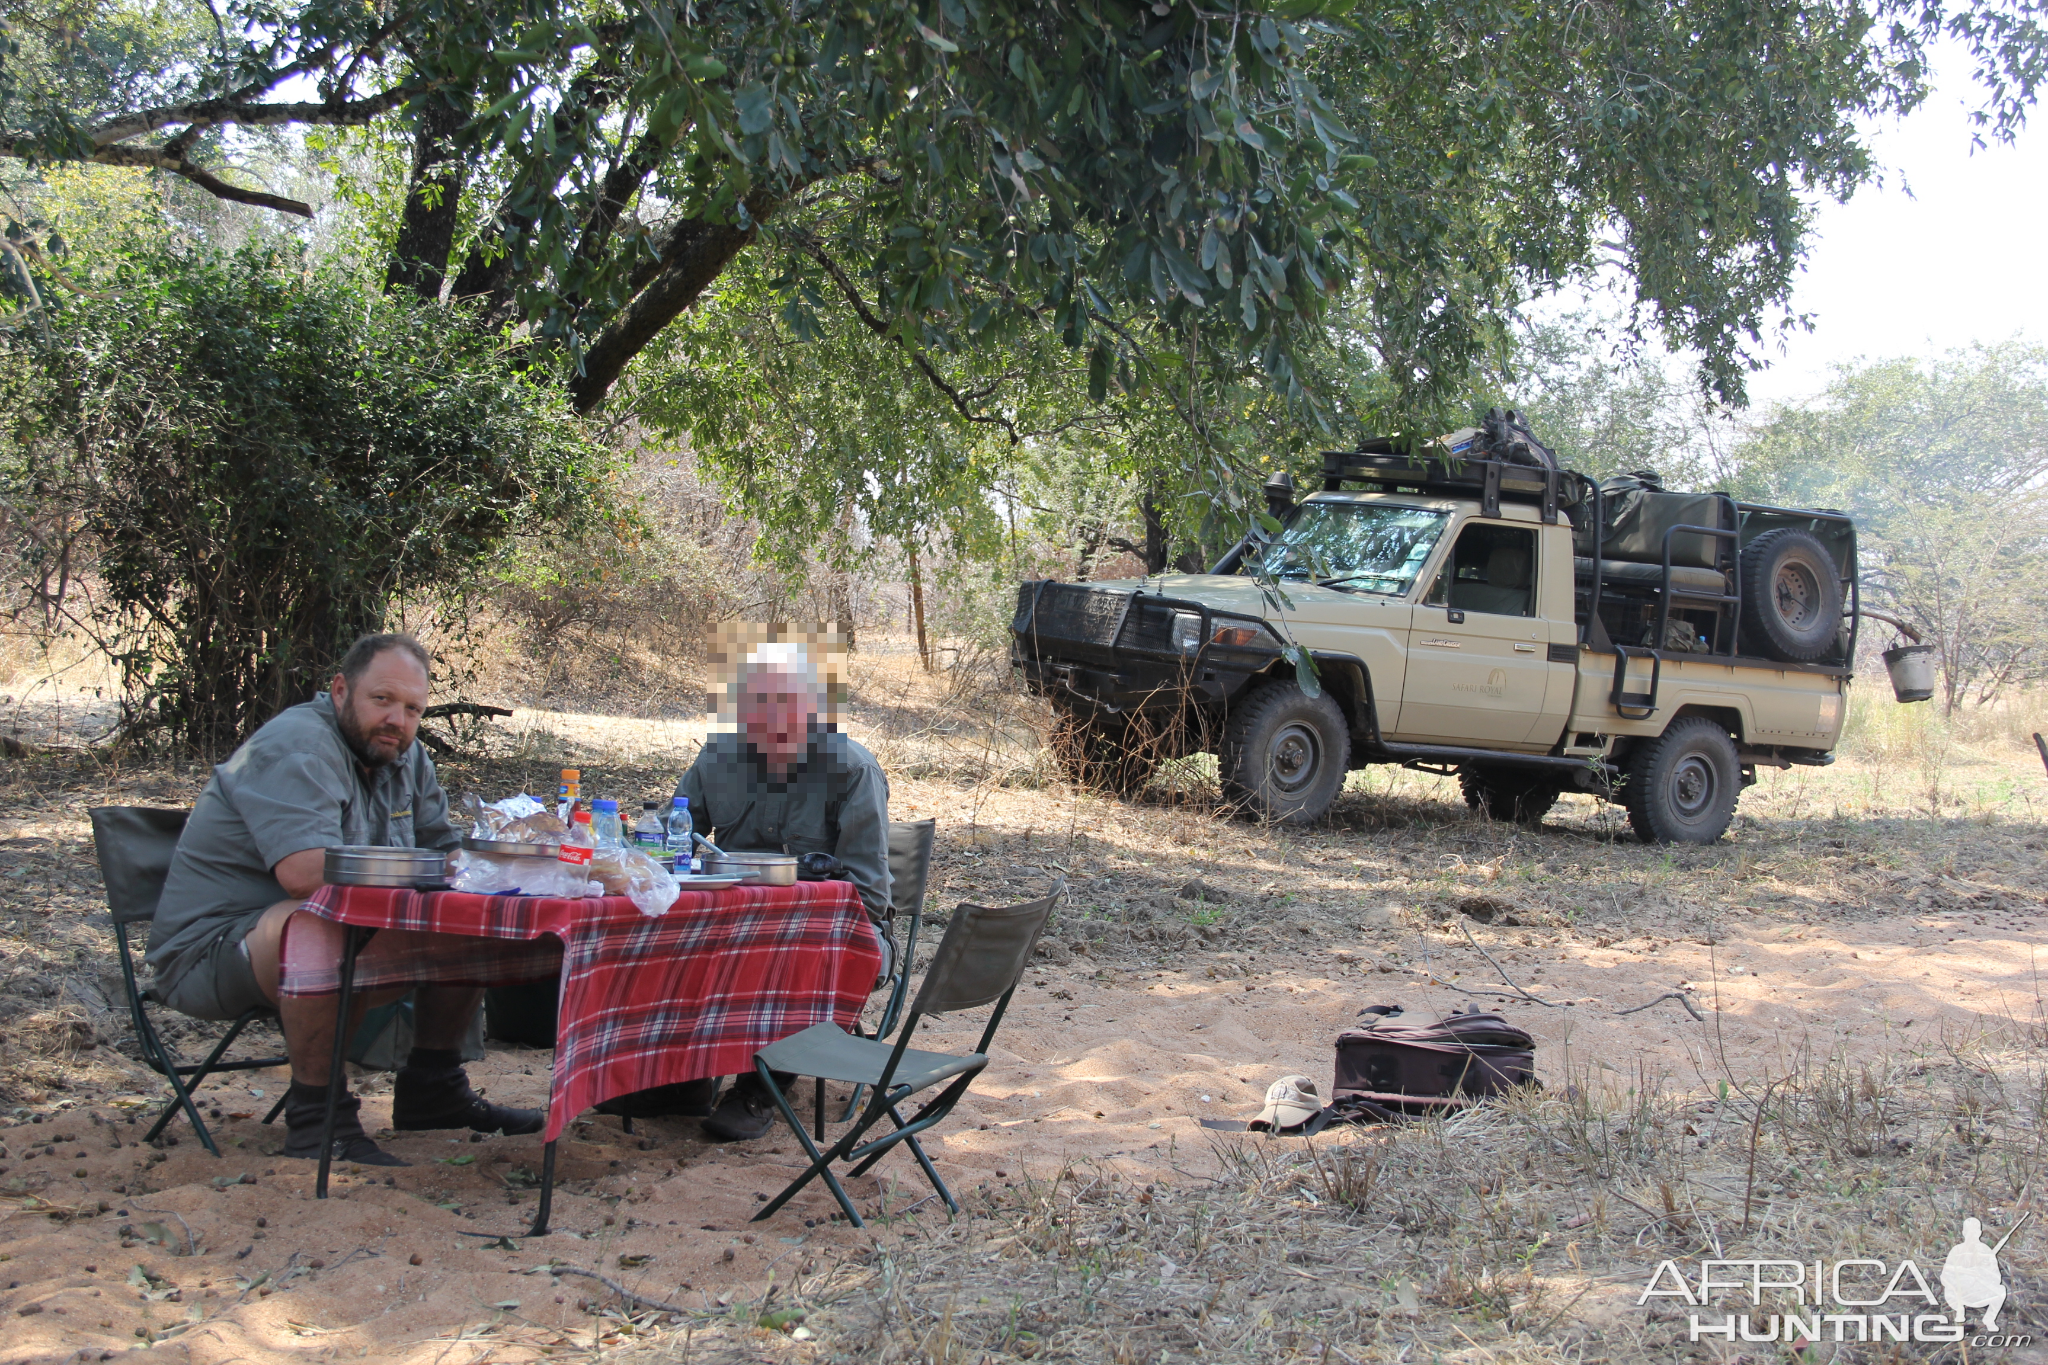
(649, 835)
(604, 824)
(680, 843)
(569, 794)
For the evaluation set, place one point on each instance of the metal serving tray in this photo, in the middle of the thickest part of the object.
(510, 850)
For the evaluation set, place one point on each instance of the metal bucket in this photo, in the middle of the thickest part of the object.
(1912, 670)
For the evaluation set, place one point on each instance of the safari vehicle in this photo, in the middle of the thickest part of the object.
(1485, 614)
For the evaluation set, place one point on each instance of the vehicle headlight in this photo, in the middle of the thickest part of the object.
(1187, 632)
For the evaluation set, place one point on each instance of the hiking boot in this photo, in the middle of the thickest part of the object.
(683, 1099)
(744, 1114)
(424, 1098)
(305, 1114)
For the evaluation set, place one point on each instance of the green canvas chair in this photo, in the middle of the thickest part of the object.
(910, 871)
(134, 844)
(979, 961)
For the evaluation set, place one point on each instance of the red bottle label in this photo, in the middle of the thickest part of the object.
(574, 853)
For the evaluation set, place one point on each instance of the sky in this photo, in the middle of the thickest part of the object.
(1961, 258)
(1949, 249)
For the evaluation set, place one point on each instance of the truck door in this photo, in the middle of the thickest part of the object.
(1479, 667)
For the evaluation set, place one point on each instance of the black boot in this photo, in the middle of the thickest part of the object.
(747, 1112)
(683, 1099)
(430, 1092)
(305, 1114)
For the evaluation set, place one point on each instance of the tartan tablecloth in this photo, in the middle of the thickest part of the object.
(644, 1001)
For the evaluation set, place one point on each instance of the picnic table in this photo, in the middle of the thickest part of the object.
(645, 1000)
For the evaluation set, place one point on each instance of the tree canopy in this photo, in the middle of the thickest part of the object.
(1167, 183)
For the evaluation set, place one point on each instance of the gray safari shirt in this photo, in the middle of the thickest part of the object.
(294, 784)
(836, 801)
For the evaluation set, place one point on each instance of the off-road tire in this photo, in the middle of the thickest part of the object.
(1520, 796)
(1682, 786)
(1284, 753)
(1791, 595)
(1103, 753)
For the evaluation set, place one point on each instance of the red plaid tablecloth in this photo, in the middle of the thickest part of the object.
(644, 1001)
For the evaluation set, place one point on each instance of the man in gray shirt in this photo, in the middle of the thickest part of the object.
(344, 768)
(785, 782)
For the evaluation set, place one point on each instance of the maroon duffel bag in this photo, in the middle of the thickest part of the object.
(1395, 1065)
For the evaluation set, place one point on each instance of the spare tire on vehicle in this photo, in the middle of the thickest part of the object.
(1791, 596)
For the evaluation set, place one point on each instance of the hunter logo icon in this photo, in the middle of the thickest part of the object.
(1970, 1278)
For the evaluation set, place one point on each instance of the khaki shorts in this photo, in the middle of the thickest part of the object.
(218, 981)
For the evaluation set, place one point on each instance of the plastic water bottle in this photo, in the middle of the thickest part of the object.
(680, 828)
(604, 824)
(569, 794)
(649, 835)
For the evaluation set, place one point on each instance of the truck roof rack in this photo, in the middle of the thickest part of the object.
(1374, 465)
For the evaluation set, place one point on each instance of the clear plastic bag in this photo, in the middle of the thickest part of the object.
(486, 874)
(629, 872)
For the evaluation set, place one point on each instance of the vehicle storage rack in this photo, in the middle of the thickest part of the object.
(1376, 464)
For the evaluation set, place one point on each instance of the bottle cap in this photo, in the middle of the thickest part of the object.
(572, 773)
(680, 802)
(607, 806)
(581, 817)
(650, 805)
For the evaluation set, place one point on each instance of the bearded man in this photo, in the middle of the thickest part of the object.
(343, 768)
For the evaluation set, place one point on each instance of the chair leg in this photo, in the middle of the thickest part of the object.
(198, 1076)
(818, 1107)
(278, 1108)
(917, 1149)
(821, 1162)
(181, 1098)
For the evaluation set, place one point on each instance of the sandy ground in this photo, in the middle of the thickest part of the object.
(1149, 1011)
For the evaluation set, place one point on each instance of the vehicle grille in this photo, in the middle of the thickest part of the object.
(1070, 612)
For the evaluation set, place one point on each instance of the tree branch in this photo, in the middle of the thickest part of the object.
(693, 254)
(152, 158)
(881, 329)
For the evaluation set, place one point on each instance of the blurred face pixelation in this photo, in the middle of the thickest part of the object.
(778, 706)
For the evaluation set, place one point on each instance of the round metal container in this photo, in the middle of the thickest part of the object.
(761, 869)
(368, 865)
(510, 850)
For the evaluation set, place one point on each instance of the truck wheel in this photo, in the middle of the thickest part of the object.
(1791, 595)
(1682, 785)
(1103, 753)
(1520, 796)
(1284, 753)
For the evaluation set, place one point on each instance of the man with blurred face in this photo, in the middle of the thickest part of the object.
(343, 768)
(784, 780)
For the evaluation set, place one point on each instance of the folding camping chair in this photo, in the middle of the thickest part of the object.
(134, 844)
(981, 959)
(910, 870)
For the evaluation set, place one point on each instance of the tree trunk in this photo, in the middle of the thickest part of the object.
(924, 649)
(426, 232)
(1155, 529)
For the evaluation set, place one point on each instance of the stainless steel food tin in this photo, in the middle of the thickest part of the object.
(761, 869)
(367, 865)
(510, 850)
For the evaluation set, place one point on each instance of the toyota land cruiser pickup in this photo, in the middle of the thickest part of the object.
(1520, 626)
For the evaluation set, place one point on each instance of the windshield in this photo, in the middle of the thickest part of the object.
(1371, 547)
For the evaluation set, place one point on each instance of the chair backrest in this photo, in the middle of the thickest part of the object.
(910, 864)
(135, 844)
(984, 952)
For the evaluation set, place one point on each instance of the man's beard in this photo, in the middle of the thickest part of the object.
(359, 742)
